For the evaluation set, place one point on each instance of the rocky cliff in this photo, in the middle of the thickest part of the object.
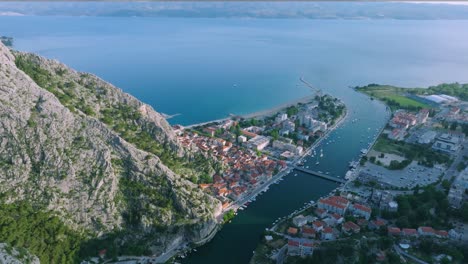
(96, 156)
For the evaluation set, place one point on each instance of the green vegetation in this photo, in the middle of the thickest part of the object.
(453, 89)
(415, 210)
(40, 232)
(425, 155)
(395, 97)
(228, 216)
(331, 106)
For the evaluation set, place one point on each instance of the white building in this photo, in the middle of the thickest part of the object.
(288, 147)
(281, 117)
(241, 139)
(259, 142)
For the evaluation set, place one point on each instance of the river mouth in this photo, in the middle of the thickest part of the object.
(364, 121)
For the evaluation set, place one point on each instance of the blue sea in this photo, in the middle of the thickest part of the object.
(207, 68)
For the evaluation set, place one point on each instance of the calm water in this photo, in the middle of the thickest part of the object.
(205, 69)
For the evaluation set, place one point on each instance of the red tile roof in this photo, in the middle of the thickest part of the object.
(292, 230)
(308, 230)
(317, 223)
(293, 243)
(442, 233)
(409, 231)
(394, 230)
(327, 230)
(427, 229)
(337, 216)
(379, 222)
(350, 225)
(362, 208)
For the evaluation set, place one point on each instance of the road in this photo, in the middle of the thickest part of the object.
(413, 258)
(452, 171)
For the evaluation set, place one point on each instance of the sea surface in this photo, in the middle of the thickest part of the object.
(206, 69)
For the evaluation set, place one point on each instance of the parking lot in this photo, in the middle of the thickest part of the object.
(409, 177)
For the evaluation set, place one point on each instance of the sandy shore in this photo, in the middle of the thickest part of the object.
(260, 114)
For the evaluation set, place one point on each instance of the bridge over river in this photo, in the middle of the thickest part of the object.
(320, 175)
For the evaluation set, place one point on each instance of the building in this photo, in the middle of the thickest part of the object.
(409, 232)
(361, 210)
(397, 134)
(241, 139)
(300, 220)
(312, 124)
(392, 206)
(336, 204)
(423, 115)
(394, 231)
(427, 138)
(281, 117)
(377, 224)
(403, 120)
(350, 228)
(441, 234)
(337, 218)
(210, 131)
(258, 142)
(448, 142)
(318, 225)
(453, 234)
(328, 233)
(289, 126)
(426, 231)
(455, 197)
(300, 247)
(287, 147)
(321, 212)
(292, 231)
(308, 232)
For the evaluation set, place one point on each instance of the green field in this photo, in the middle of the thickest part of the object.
(393, 96)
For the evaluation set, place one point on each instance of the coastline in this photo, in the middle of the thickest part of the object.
(257, 114)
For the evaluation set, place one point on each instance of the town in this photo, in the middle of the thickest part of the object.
(255, 152)
(405, 198)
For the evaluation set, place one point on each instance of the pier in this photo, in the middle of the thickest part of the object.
(320, 175)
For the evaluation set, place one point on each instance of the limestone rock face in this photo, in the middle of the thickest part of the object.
(73, 143)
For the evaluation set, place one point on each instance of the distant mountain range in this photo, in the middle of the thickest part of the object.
(312, 10)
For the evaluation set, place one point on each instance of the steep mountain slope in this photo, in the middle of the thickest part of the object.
(97, 157)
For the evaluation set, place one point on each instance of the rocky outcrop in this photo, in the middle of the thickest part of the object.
(11, 255)
(73, 143)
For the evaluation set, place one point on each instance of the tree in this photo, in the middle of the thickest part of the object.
(453, 126)
(274, 134)
(446, 185)
(464, 212)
